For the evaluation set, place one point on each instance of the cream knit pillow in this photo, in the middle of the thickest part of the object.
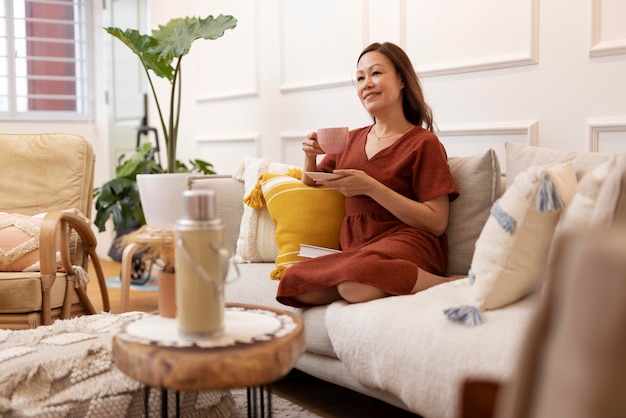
(577, 215)
(514, 244)
(255, 243)
(513, 247)
(610, 203)
(520, 156)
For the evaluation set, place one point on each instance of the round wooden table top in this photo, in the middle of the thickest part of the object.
(194, 368)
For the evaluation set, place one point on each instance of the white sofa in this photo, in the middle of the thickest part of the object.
(404, 350)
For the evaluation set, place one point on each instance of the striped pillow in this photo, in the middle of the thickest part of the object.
(302, 214)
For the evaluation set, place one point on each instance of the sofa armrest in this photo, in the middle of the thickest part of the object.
(478, 398)
(229, 196)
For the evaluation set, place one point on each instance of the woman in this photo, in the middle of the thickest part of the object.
(398, 189)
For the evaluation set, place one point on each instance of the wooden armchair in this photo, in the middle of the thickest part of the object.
(46, 191)
(573, 361)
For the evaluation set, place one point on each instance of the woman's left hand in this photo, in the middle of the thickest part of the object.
(351, 183)
(430, 216)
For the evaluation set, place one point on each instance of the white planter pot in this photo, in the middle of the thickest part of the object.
(162, 197)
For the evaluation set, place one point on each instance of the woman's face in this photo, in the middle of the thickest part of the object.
(378, 83)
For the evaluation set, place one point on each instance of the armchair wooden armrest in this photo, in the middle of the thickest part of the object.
(61, 224)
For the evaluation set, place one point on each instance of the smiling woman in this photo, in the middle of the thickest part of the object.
(397, 194)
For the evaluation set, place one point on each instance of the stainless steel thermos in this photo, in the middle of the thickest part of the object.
(201, 266)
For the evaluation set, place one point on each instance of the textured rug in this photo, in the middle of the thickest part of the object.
(66, 370)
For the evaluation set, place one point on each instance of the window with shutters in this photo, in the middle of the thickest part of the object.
(45, 60)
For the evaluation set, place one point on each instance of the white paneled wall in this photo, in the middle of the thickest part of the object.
(447, 36)
(548, 73)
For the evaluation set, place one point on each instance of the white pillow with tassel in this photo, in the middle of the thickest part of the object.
(513, 246)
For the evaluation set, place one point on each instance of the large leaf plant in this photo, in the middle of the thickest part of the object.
(161, 54)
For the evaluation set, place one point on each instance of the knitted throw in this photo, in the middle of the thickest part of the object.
(67, 370)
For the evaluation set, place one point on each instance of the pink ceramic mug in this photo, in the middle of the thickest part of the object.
(332, 140)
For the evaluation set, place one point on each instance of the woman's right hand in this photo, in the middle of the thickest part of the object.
(310, 146)
(311, 149)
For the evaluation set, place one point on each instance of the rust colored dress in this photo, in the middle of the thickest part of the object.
(379, 249)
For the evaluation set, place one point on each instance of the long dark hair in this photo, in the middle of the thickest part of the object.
(414, 106)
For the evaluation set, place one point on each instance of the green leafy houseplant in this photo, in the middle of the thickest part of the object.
(118, 198)
(161, 54)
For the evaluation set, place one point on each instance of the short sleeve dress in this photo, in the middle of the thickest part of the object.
(377, 248)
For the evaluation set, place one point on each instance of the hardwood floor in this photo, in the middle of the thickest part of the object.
(322, 398)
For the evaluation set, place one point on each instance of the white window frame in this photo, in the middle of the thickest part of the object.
(83, 60)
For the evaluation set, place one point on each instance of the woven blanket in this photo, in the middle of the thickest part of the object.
(67, 370)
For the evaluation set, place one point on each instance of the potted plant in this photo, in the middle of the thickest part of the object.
(161, 54)
(118, 199)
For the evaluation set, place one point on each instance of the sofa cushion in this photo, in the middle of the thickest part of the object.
(302, 214)
(514, 244)
(20, 292)
(477, 179)
(255, 243)
(577, 215)
(611, 204)
(520, 156)
(19, 241)
(27, 159)
(405, 345)
(251, 287)
(228, 192)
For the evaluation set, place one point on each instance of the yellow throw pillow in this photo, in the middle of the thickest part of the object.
(255, 243)
(303, 215)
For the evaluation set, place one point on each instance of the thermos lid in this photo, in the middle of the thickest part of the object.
(199, 205)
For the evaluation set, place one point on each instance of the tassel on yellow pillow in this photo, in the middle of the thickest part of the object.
(303, 215)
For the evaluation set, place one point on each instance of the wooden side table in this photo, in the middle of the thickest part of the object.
(260, 345)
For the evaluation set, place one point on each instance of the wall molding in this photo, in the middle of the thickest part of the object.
(229, 138)
(242, 93)
(529, 129)
(481, 64)
(317, 84)
(597, 127)
(530, 57)
(600, 48)
(232, 95)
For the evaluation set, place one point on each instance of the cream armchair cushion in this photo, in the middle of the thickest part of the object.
(49, 173)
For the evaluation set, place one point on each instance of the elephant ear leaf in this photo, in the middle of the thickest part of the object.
(144, 46)
(175, 38)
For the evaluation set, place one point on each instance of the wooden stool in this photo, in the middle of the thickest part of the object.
(158, 240)
(259, 346)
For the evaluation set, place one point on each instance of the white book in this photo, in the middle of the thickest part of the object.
(312, 251)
